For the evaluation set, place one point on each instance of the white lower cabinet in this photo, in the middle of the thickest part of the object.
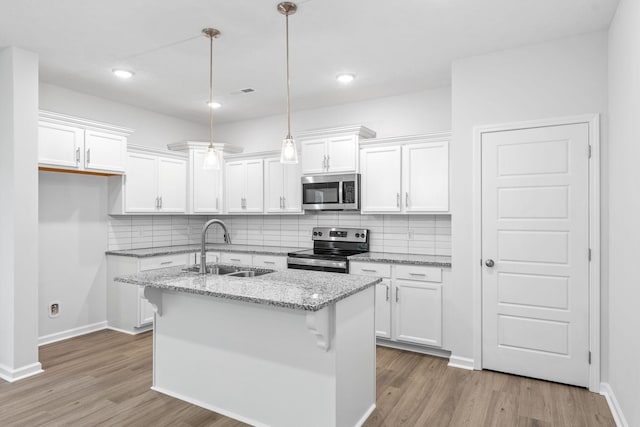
(236, 258)
(274, 262)
(127, 309)
(409, 304)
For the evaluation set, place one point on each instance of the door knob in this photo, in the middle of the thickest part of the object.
(489, 263)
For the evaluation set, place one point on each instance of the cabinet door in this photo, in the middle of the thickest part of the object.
(172, 185)
(342, 154)
(381, 178)
(273, 262)
(205, 185)
(273, 185)
(312, 156)
(383, 309)
(104, 151)
(418, 312)
(254, 196)
(292, 189)
(145, 309)
(426, 177)
(236, 258)
(60, 145)
(141, 183)
(234, 186)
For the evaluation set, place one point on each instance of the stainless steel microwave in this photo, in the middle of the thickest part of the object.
(331, 192)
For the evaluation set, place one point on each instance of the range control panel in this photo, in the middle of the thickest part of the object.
(340, 234)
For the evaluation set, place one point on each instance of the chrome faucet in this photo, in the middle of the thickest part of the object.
(203, 252)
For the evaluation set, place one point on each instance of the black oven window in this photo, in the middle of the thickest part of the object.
(321, 193)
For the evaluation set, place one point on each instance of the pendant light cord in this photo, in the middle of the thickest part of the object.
(288, 79)
(211, 91)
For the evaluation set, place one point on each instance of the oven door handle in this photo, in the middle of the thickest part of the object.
(316, 262)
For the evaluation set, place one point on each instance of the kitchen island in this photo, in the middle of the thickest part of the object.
(288, 348)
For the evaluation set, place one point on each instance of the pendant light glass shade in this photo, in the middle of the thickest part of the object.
(211, 161)
(289, 152)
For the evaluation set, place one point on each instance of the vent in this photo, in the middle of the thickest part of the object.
(245, 90)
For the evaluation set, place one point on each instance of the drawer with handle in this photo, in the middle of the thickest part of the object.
(163, 261)
(236, 258)
(418, 272)
(270, 261)
(370, 269)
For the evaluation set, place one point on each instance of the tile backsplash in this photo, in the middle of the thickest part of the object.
(417, 234)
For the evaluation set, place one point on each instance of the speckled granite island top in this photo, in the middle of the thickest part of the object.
(213, 247)
(391, 258)
(296, 289)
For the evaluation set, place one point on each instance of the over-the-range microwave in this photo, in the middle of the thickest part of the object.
(331, 192)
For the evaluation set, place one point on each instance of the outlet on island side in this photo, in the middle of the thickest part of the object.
(54, 309)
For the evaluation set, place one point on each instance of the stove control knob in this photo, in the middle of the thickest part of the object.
(357, 234)
(319, 233)
(315, 233)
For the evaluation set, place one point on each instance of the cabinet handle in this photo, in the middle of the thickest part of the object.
(77, 155)
(328, 164)
(234, 259)
(387, 286)
(284, 202)
(368, 270)
(397, 294)
(398, 200)
(166, 262)
(406, 199)
(280, 202)
(88, 160)
(160, 202)
(269, 262)
(417, 274)
(324, 162)
(157, 203)
(217, 203)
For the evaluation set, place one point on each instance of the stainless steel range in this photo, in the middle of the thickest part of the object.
(331, 247)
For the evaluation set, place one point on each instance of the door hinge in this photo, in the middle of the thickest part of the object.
(589, 254)
(589, 358)
(589, 150)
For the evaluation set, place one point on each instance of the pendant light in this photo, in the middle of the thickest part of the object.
(289, 151)
(211, 161)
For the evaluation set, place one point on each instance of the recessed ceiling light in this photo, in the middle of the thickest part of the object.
(123, 74)
(345, 78)
(215, 105)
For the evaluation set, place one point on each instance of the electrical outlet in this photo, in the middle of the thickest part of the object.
(54, 309)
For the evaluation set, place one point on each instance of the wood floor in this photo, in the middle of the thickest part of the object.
(104, 378)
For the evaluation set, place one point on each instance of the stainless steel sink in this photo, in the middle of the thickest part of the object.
(229, 270)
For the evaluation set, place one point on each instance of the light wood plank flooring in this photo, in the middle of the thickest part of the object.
(104, 378)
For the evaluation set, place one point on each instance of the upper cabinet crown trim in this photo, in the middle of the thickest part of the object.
(145, 149)
(186, 145)
(254, 155)
(50, 116)
(361, 131)
(408, 139)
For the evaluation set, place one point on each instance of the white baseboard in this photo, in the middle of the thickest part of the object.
(415, 348)
(135, 331)
(614, 406)
(209, 407)
(461, 362)
(71, 333)
(12, 375)
(366, 415)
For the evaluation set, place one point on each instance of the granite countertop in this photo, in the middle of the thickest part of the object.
(214, 247)
(296, 289)
(391, 258)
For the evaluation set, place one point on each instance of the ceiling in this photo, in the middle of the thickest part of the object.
(392, 47)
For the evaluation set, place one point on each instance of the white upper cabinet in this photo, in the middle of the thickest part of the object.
(332, 150)
(282, 187)
(244, 186)
(156, 182)
(406, 174)
(204, 186)
(70, 143)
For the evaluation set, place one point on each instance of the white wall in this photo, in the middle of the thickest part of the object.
(560, 78)
(152, 129)
(73, 239)
(18, 213)
(624, 208)
(409, 114)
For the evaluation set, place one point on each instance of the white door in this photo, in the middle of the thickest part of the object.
(254, 192)
(426, 177)
(206, 185)
(535, 236)
(380, 189)
(172, 185)
(60, 145)
(141, 186)
(292, 189)
(342, 154)
(273, 184)
(234, 186)
(313, 156)
(383, 309)
(105, 151)
(418, 312)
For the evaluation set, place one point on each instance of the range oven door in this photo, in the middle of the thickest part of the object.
(331, 192)
(318, 264)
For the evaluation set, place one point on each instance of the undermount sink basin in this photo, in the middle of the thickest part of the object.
(229, 270)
